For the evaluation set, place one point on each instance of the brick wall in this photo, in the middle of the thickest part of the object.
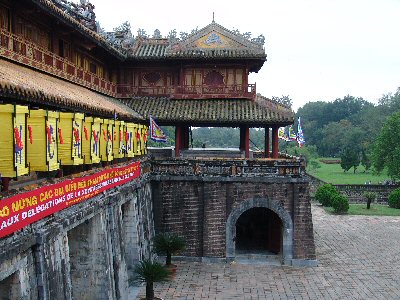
(198, 207)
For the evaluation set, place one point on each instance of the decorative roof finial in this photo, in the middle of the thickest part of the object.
(213, 17)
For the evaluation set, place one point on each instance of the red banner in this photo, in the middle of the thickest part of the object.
(23, 209)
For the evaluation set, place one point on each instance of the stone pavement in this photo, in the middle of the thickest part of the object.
(359, 258)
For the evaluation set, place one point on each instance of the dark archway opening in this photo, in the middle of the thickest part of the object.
(259, 230)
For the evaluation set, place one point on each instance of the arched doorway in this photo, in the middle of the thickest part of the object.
(286, 243)
(258, 231)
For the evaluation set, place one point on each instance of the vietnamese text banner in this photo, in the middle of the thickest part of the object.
(23, 209)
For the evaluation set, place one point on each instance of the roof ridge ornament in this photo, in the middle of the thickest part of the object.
(121, 37)
(83, 12)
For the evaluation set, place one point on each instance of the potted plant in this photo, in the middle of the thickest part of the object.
(168, 244)
(149, 271)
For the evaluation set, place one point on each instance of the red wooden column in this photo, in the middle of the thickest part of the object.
(266, 145)
(5, 183)
(185, 137)
(275, 144)
(241, 146)
(245, 140)
(178, 140)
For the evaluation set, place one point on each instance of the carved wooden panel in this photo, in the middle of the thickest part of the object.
(214, 78)
(152, 77)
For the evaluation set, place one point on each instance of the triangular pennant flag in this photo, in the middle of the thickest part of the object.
(300, 136)
(156, 134)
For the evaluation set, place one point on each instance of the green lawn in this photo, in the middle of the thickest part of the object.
(375, 210)
(333, 173)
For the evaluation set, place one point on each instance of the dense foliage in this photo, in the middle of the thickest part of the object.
(325, 194)
(386, 152)
(339, 203)
(394, 198)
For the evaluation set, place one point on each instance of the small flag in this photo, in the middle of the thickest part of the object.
(292, 134)
(300, 136)
(156, 134)
(282, 134)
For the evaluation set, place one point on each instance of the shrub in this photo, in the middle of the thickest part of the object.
(168, 244)
(371, 196)
(149, 271)
(325, 193)
(394, 198)
(340, 204)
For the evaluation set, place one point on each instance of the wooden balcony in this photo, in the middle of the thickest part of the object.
(18, 49)
(188, 92)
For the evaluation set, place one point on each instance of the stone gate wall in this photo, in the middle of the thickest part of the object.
(197, 207)
(86, 251)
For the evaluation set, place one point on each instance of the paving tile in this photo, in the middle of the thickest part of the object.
(359, 258)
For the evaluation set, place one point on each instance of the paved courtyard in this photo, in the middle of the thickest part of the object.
(359, 258)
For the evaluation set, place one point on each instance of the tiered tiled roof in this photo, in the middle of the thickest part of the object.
(213, 112)
(49, 6)
(213, 41)
(17, 82)
(151, 48)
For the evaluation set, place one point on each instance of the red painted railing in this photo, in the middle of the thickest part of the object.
(23, 51)
(192, 92)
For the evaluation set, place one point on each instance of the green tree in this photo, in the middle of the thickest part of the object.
(326, 123)
(365, 160)
(349, 159)
(308, 152)
(391, 101)
(333, 138)
(386, 151)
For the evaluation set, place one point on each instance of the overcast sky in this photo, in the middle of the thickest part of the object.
(316, 49)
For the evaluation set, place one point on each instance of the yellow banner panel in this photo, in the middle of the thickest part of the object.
(13, 140)
(86, 140)
(130, 139)
(145, 131)
(70, 138)
(138, 147)
(92, 145)
(142, 139)
(106, 140)
(119, 139)
(42, 142)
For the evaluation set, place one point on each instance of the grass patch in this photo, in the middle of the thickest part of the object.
(375, 210)
(333, 173)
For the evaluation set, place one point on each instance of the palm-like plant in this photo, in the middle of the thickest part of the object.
(168, 244)
(149, 271)
(371, 196)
